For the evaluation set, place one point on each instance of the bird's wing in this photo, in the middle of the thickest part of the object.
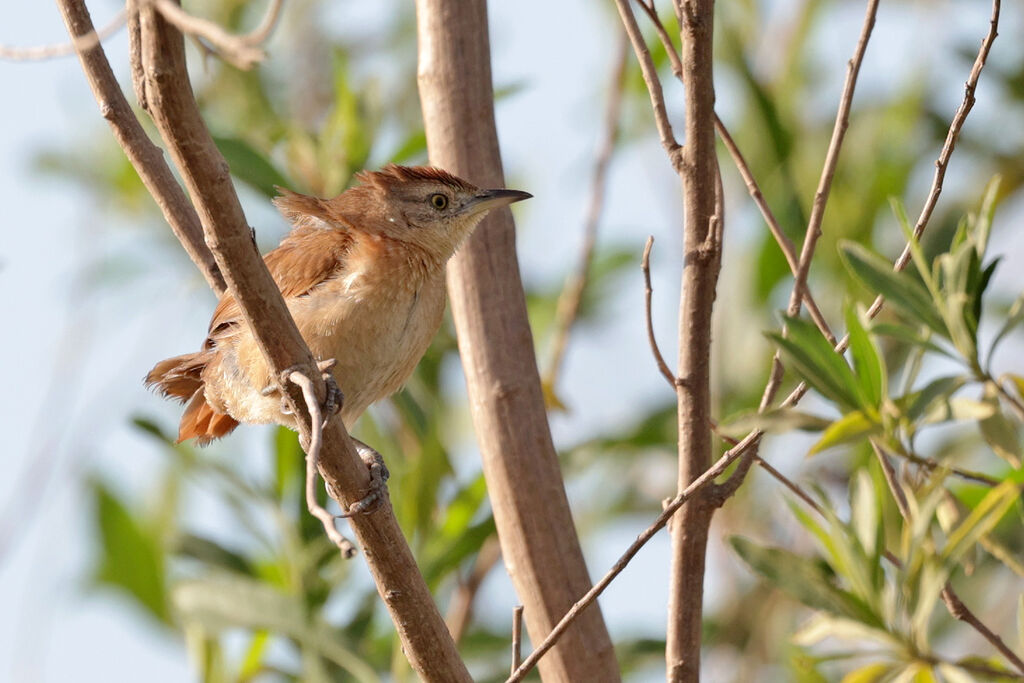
(308, 256)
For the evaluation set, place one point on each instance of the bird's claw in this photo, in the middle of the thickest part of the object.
(379, 475)
(332, 402)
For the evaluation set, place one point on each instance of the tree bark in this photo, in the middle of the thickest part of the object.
(702, 261)
(531, 511)
(169, 98)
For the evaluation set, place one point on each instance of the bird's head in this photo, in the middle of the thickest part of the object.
(423, 206)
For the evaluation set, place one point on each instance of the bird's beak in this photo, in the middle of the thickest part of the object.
(485, 200)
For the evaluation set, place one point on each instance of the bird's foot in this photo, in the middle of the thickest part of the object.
(332, 403)
(379, 475)
(335, 399)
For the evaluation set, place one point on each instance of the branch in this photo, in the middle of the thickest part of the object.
(524, 481)
(242, 51)
(650, 74)
(645, 266)
(824, 188)
(517, 636)
(169, 97)
(720, 466)
(572, 293)
(831, 160)
(146, 157)
(78, 44)
(703, 209)
(785, 244)
(942, 163)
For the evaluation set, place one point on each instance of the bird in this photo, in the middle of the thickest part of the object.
(362, 275)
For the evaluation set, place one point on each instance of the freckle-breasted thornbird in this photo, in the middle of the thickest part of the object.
(363, 276)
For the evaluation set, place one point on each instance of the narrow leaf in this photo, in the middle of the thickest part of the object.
(854, 426)
(867, 363)
(901, 290)
(982, 519)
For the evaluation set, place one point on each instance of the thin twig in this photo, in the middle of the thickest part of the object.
(645, 266)
(316, 430)
(933, 465)
(460, 610)
(951, 137)
(822, 193)
(831, 160)
(78, 44)
(517, 637)
(146, 157)
(785, 244)
(243, 51)
(942, 163)
(571, 298)
(961, 612)
(669, 510)
(650, 75)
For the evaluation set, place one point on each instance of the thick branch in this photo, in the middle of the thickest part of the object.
(531, 511)
(146, 157)
(702, 254)
(169, 96)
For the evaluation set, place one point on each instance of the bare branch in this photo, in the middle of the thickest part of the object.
(831, 160)
(425, 638)
(572, 293)
(78, 44)
(670, 508)
(242, 51)
(942, 163)
(650, 74)
(517, 637)
(146, 157)
(524, 478)
(645, 266)
(786, 244)
(961, 612)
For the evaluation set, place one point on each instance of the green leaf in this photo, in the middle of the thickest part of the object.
(774, 421)
(871, 673)
(249, 166)
(916, 253)
(982, 519)
(803, 578)
(916, 404)
(983, 224)
(867, 363)
(822, 626)
(212, 553)
(912, 337)
(854, 426)
(901, 290)
(1013, 318)
(813, 357)
(999, 432)
(132, 559)
(218, 602)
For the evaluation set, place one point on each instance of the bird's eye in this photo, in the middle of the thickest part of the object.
(438, 201)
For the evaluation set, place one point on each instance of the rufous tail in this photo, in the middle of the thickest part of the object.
(181, 378)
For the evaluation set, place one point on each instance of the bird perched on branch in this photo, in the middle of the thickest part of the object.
(363, 276)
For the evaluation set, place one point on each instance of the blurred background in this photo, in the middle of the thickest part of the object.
(122, 553)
